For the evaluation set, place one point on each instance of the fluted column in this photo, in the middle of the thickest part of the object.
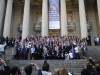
(7, 24)
(98, 7)
(83, 24)
(25, 29)
(64, 27)
(2, 15)
(44, 28)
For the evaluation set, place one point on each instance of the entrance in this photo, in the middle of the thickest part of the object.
(54, 32)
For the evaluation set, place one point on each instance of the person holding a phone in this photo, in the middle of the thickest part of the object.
(4, 69)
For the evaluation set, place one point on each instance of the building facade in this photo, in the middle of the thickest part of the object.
(33, 17)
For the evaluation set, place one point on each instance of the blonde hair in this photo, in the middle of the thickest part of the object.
(57, 71)
(63, 71)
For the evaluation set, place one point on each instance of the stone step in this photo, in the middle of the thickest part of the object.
(94, 51)
(75, 70)
(74, 66)
(77, 73)
(35, 73)
(8, 54)
(67, 63)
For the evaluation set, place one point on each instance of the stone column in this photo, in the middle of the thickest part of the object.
(7, 24)
(64, 28)
(44, 28)
(98, 7)
(2, 15)
(25, 29)
(83, 24)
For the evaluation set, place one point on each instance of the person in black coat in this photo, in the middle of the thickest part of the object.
(15, 70)
(89, 70)
(28, 70)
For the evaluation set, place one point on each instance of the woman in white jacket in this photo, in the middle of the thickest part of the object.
(2, 49)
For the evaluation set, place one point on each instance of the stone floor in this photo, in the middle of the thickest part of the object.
(8, 54)
(94, 52)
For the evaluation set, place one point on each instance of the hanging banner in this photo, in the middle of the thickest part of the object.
(54, 20)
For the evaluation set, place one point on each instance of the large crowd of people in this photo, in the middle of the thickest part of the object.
(31, 69)
(54, 47)
(92, 68)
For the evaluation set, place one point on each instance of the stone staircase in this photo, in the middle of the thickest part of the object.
(8, 53)
(74, 66)
(94, 51)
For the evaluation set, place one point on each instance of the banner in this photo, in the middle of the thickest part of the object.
(54, 20)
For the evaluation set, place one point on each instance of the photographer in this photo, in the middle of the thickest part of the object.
(4, 69)
(45, 69)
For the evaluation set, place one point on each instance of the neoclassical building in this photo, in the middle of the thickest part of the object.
(50, 18)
